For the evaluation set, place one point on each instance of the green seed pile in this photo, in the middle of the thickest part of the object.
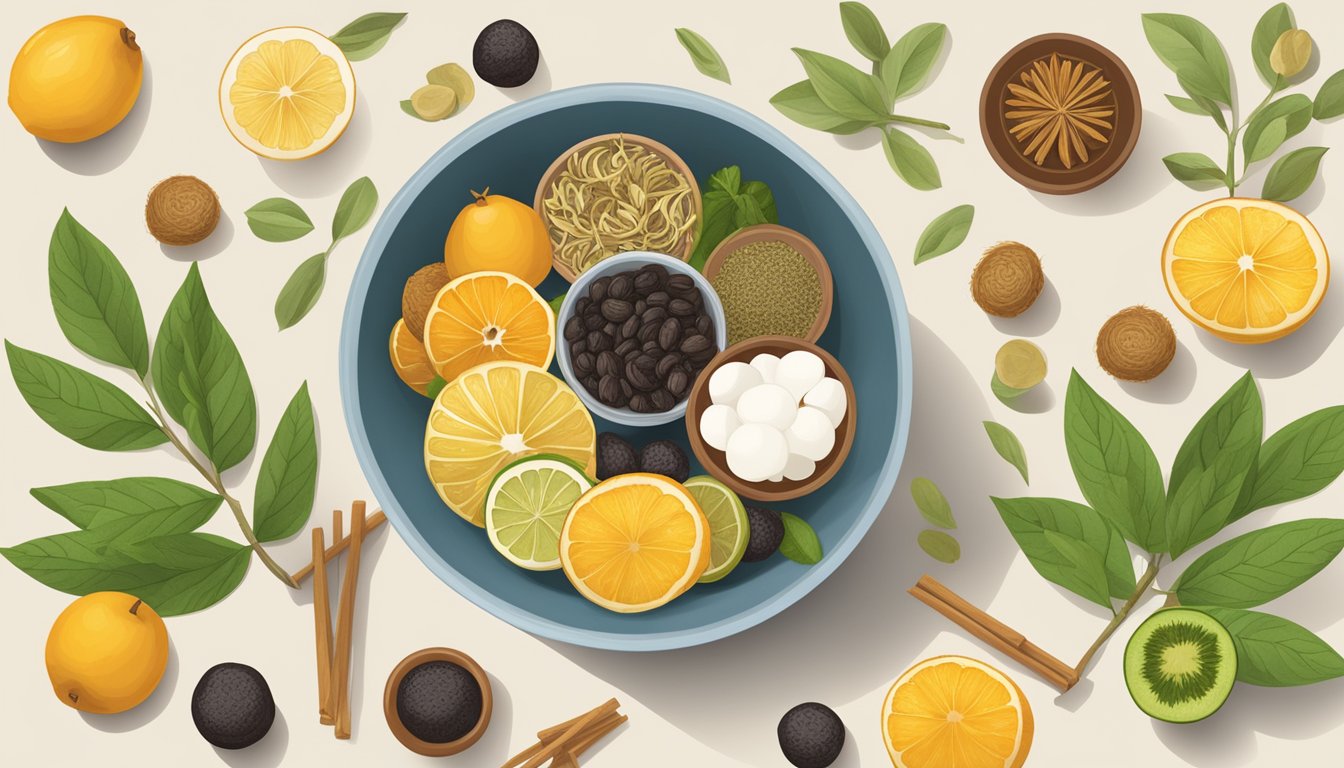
(768, 289)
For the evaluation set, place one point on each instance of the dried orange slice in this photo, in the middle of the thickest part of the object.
(635, 542)
(1246, 270)
(493, 415)
(484, 317)
(956, 711)
(409, 359)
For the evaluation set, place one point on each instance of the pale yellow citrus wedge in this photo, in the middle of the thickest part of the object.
(1245, 270)
(956, 711)
(493, 415)
(484, 317)
(409, 359)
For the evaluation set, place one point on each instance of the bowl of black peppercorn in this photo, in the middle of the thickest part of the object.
(635, 332)
(438, 702)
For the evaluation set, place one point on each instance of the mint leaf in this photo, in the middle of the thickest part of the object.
(800, 543)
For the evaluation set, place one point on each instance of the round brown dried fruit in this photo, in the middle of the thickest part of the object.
(181, 210)
(1136, 344)
(418, 296)
(1007, 279)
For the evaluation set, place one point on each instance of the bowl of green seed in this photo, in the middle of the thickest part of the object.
(772, 281)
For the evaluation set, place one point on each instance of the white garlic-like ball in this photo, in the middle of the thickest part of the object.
(799, 467)
(757, 452)
(766, 364)
(811, 434)
(798, 372)
(828, 396)
(717, 424)
(730, 380)
(767, 404)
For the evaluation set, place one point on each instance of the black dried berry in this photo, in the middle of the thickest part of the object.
(678, 382)
(584, 364)
(659, 299)
(505, 54)
(439, 702)
(609, 390)
(620, 287)
(598, 290)
(232, 706)
(811, 735)
(630, 327)
(598, 342)
(767, 531)
(669, 334)
(664, 457)
(626, 347)
(704, 325)
(582, 306)
(608, 363)
(615, 456)
(640, 403)
(573, 328)
(646, 282)
(617, 310)
(681, 308)
(666, 363)
(662, 400)
(593, 321)
(653, 349)
(691, 345)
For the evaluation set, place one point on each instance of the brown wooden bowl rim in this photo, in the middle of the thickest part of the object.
(410, 740)
(667, 153)
(714, 461)
(1089, 176)
(802, 243)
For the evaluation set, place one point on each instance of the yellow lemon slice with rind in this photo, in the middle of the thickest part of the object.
(288, 93)
(1246, 270)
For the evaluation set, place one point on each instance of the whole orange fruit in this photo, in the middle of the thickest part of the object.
(106, 653)
(498, 234)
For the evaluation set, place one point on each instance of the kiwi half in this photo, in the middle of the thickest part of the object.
(1180, 665)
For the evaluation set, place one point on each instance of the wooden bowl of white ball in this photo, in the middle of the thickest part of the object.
(772, 417)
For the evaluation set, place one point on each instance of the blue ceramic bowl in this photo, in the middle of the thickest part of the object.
(509, 150)
(626, 262)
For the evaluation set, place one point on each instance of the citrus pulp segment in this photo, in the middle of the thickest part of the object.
(484, 317)
(634, 542)
(409, 359)
(526, 507)
(493, 415)
(729, 529)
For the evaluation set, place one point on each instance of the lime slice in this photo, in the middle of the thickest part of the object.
(526, 507)
(728, 527)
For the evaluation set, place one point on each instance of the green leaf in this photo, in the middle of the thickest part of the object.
(801, 104)
(764, 200)
(941, 546)
(944, 233)
(1186, 105)
(1262, 565)
(1267, 140)
(277, 220)
(1198, 105)
(1292, 174)
(864, 31)
(205, 568)
(907, 65)
(83, 407)
(1276, 652)
(931, 502)
(911, 161)
(1211, 466)
(95, 301)
(729, 205)
(800, 543)
(366, 35)
(1279, 121)
(842, 87)
(1330, 99)
(706, 60)
(1008, 447)
(1190, 50)
(1195, 170)
(1114, 466)
(1081, 569)
(1028, 520)
(556, 303)
(131, 509)
(287, 482)
(1297, 461)
(355, 208)
(1277, 20)
(301, 291)
(727, 179)
(201, 378)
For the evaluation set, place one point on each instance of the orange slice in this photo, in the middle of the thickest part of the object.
(485, 317)
(493, 415)
(1245, 270)
(955, 711)
(634, 542)
(409, 359)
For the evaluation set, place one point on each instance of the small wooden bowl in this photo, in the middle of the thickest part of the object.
(408, 739)
(673, 160)
(716, 462)
(795, 240)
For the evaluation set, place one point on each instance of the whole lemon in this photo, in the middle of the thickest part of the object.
(75, 78)
(106, 653)
(498, 234)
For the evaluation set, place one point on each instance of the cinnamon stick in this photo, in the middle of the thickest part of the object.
(548, 735)
(584, 741)
(346, 620)
(563, 742)
(337, 529)
(340, 544)
(994, 633)
(322, 624)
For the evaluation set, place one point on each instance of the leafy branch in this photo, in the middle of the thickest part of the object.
(838, 97)
(1281, 53)
(138, 534)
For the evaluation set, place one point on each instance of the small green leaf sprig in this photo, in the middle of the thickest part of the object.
(838, 97)
(367, 35)
(1281, 53)
(706, 59)
(1222, 473)
(138, 534)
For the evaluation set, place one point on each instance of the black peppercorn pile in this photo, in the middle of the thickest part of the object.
(639, 339)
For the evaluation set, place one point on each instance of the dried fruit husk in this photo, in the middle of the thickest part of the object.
(181, 210)
(418, 296)
(1019, 365)
(455, 77)
(1136, 344)
(1007, 279)
(434, 102)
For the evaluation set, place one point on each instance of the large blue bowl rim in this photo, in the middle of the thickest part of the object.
(882, 485)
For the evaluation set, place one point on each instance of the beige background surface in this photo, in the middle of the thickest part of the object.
(712, 706)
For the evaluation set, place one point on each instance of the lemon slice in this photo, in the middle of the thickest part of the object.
(287, 93)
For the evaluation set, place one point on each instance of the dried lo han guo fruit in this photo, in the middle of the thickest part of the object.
(1007, 280)
(1136, 344)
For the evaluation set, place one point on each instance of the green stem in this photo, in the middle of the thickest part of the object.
(1232, 141)
(907, 120)
(1145, 581)
(212, 477)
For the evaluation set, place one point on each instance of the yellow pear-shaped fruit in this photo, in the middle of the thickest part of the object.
(106, 653)
(498, 234)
